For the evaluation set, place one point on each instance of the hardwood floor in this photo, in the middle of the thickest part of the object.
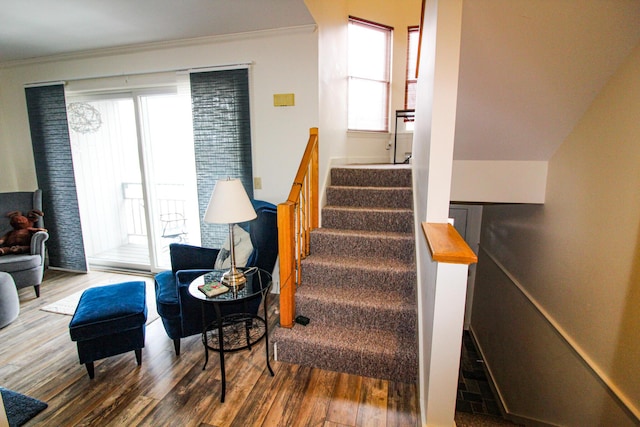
(37, 358)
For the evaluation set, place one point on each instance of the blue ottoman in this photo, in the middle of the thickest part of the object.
(109, 320)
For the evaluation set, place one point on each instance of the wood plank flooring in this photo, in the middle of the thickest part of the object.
(38, 358)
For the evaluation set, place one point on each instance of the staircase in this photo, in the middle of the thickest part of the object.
(359, 281)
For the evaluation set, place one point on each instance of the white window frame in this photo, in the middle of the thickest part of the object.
(368, 87)
(413, 36)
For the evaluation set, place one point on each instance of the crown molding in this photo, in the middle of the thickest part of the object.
(170, 44)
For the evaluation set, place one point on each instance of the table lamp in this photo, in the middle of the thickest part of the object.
(229, 204)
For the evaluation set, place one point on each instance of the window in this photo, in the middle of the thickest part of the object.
(412, 68)
(369, 76)
(100, 143)
(133, 173)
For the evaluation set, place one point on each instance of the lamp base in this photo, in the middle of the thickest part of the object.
(234, 279)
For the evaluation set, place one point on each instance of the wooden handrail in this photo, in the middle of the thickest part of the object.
(446, 244)
(296, 218)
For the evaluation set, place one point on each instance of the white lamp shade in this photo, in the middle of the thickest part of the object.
(229, 204)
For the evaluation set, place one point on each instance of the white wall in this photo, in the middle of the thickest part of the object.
(472, 181)
(441, 287)
(337, 146)
(332, 50)
(284, 61)
(499, 181)
(557, 296)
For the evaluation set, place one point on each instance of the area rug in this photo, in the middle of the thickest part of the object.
(67, 305)
(20, 408)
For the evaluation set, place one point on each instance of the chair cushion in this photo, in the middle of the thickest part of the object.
(187, 257)
(167, 301)
(110, 309)
(20, 262)
(243, 249)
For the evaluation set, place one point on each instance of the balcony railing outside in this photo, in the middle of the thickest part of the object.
(170, 202)
(296, 218)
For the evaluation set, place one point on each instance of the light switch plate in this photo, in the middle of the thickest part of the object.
(284, 100)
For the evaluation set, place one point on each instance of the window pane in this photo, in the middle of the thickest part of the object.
(411, 95)
(412, 62)
(412, 59)
(368, 52)
(367, 105)
(369, 75)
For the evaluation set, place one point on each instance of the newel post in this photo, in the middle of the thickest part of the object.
(450, 259)
(287, 245)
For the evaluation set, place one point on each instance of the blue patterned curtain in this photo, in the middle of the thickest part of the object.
(222, 138)
(54, 169)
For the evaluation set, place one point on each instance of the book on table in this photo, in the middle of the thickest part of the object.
(211, 289)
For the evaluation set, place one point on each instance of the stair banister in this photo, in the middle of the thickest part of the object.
(296, 218)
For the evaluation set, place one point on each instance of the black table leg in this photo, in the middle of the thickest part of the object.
(204, 338)
(266, 331)
(221, 347)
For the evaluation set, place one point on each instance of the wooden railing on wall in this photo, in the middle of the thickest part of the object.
(296, 218)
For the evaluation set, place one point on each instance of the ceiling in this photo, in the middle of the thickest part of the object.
(528, 68)
(36, 28)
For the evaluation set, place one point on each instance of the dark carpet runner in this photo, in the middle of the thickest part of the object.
(359, 281)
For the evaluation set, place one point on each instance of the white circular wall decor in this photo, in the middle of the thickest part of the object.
(83, 117)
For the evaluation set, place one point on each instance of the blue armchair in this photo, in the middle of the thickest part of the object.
(26, 269)
(181, 314)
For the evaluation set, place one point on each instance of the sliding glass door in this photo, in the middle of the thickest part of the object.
(134, 166)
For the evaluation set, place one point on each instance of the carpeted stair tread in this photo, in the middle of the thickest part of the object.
(369, 177)
(373, 219)
(355, 350)
(364, 262)
(369, 209)
(363, 243)
(335, 306)
(365, 233)
(382, 197)
(348, 297)
(386, 275)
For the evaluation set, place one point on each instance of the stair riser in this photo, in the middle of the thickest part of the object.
(401, 367)
(367, 177)
(342, 245)
(370, 197)
(328, 275)
(401, 322)
(371, 220)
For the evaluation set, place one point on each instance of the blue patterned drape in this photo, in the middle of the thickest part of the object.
(54, 169)
(222, 138)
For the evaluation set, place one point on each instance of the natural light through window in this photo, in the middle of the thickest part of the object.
(369, 59)
(412, 72)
